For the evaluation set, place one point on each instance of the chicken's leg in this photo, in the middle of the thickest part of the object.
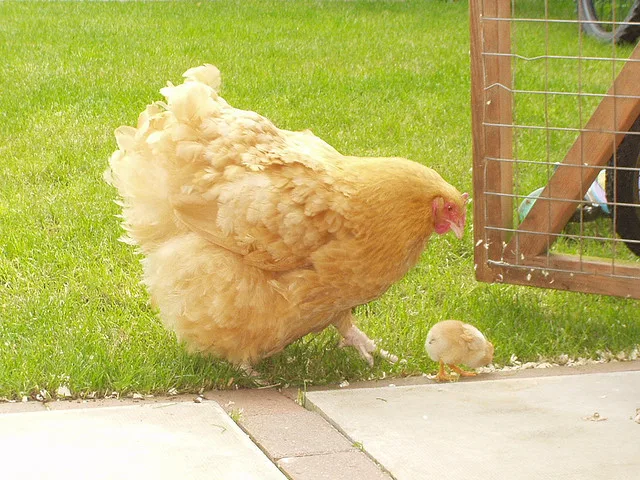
(353, 336)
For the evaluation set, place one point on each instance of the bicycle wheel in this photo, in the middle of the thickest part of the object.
(623, 187)
(597, 16)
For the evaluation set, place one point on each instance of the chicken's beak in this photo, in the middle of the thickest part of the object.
(457, 228)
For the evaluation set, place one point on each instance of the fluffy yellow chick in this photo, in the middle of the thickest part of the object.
(453, 342)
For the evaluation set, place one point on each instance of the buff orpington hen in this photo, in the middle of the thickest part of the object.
(452, 342)
(254, 236)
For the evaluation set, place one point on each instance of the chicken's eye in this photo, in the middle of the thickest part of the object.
(449, 207)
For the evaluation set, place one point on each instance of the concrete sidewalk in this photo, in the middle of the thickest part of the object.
(160, 441)
(569, 428)
(528, 424)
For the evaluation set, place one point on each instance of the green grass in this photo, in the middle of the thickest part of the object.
(371, 78)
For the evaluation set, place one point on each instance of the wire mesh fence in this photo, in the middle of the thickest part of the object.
(556, 125)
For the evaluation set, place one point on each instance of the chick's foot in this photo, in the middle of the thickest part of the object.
(355, 337)
(461, 372)
(442, 375)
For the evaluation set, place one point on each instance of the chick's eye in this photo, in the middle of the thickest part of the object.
(449, 207)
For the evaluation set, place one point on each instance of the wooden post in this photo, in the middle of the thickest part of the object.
(491, 100)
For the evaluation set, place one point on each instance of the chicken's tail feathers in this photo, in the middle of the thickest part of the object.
(158, 158)
(207, 74)
(143, 185)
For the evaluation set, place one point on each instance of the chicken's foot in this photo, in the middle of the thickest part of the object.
(442, 375)
(354, 337)
(461, 372)
(253, 375)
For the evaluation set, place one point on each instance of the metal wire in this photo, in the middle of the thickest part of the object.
(559, 57)
(557, 129)
(555, 20)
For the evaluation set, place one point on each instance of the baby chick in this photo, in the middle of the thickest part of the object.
(452, 342)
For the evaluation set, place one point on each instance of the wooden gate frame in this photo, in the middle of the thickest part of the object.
(521, 256)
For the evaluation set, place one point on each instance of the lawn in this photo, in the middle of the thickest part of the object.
(370, 77)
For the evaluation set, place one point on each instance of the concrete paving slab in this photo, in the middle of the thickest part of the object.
(158, 441)
(521, 428)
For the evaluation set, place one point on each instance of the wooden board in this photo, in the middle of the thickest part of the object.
(566, 272)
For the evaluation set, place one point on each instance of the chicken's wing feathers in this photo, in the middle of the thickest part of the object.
(231, 176)
(473, 338)
(273, 228)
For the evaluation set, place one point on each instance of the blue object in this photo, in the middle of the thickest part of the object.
(595, 196)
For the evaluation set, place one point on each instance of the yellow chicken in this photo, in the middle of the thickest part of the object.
(254, 236)
(453, 342)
